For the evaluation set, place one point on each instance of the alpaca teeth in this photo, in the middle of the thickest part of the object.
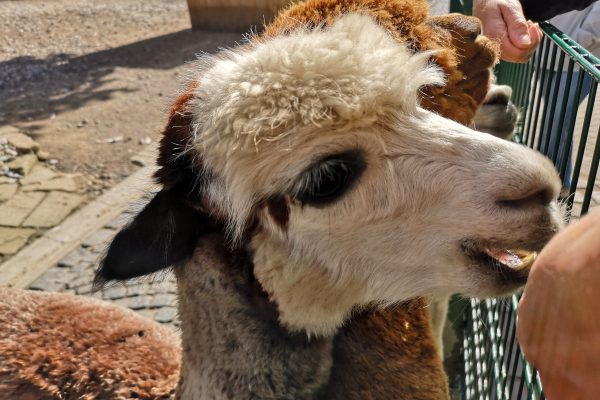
(514, 259)
(527, 257)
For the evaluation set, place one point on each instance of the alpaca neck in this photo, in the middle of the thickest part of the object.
(233, 345)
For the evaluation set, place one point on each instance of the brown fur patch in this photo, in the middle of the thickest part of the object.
(279, 210)
(63, 346)
(388, 354)
(172, 157)
(465, 56)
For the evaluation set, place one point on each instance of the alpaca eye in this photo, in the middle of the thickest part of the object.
(330, 178)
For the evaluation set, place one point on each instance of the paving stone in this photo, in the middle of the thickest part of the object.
(15, 210)
(23, 164)
(13, 239)
(138, 302)
(166, 314)
(63, 184)
(79, 282)
(55, 207)
(160, 287)
(7, 179)
(141, 281)
(136, 207)
(119, 302)
(7, 190)
(7, 130)
(137, 290)
(89, 257)
(53, 280)
(71, 259)
(114, 292)
(88, 274)
(38, 174)
(148, 313)
(43, 155)
(163, 300)
(99, 238)
(21, 142)
(98, 295)
(85, 289)
(118, 222)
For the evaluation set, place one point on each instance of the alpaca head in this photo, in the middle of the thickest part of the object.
(311, 151)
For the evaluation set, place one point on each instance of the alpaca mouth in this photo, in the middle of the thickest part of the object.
(516, 260)
(513, 263)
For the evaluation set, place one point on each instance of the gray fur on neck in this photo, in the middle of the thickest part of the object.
(233, 346)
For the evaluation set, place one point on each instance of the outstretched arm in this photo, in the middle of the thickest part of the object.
(559, 314)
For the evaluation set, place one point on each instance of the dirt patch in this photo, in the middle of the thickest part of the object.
(91, 81)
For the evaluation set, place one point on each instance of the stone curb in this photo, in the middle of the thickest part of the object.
(33, 260)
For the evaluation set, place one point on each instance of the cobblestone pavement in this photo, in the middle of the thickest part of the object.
(153, 297)
(34, 196)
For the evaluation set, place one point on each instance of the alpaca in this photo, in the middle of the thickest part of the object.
(309, 153)
(334, 206)
(497, 115)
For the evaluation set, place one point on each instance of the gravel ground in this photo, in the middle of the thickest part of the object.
(90, 81)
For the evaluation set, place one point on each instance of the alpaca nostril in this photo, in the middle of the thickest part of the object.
(497, 100)
(539, 197)
(498, 95)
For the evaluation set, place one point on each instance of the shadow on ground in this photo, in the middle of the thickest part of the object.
(33, 89)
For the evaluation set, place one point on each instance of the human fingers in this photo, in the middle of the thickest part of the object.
(535, 33)
(516, 24)
(511, 53)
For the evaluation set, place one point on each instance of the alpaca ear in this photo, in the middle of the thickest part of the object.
(166, 231)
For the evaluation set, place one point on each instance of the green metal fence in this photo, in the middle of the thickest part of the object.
(548, 91)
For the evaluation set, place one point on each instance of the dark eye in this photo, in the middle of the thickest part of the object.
(330, 178)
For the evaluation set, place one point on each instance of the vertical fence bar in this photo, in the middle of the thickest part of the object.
(592, 177)
(547, 90)
(582, 143)
(563, 111)
(549, 110)
(538, 106)
(571, 128)
(535, 82)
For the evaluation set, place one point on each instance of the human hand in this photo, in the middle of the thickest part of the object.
(559, 315)
(504, 21)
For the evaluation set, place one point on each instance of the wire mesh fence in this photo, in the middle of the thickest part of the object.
(556, 96)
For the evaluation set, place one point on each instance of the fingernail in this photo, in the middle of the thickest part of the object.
(525, 39)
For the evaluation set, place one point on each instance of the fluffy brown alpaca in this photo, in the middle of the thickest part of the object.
(465, 56)
(65, 347)
(235, 343)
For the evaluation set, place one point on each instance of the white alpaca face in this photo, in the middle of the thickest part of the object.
(360, 195)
